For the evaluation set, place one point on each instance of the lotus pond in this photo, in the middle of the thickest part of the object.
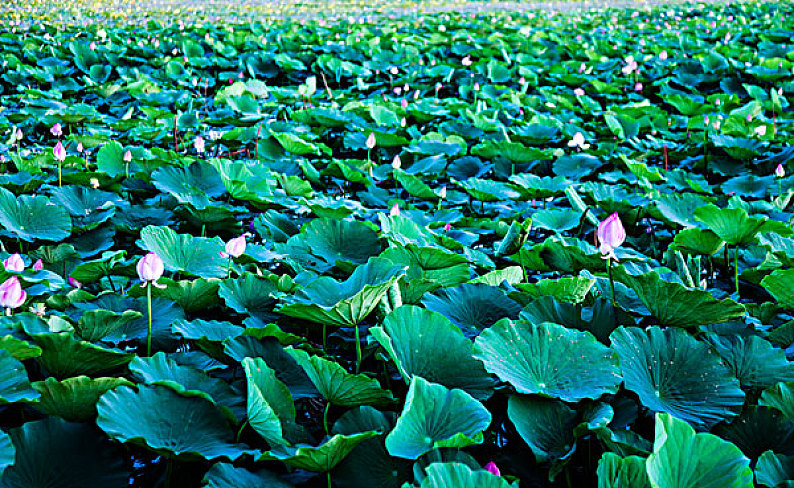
(461, 250)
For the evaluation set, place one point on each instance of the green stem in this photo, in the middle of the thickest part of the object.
(240, 431)
(329, 478)
(169, 467)
(611, 281)
(779, 188)
(149, 331)
(229, 268)
(736, 268)
(59, 173)
(325, 337)
(358, 350)
(325, 416)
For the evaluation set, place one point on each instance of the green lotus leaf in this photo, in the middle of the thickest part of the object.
(759, 429)
(414, 185)
(753, 360)
(546, 426)
(369, 464)
(249, 294)
(192, 295)
(74, 399)
(683, 459)
(781, 247)
(63, 356)
(673, 372)
(540, 187)
(425, 343)
(781, 397)
(194, 185)
(344, 304)
(673, 304)
(29, 218)
(224, 475)
(697, 241)
(600, 319)
(549, 360)
(622, 472)
(196, 256)
(88, 207)
(489, 190)
(163, 371)
(270, 406)
(573, 289)
(341, 243)
(780, 284)
(295, 145)
(457, 475)
(322, 458)
(337, 385)
(556, 220)
(168, 423)
(7, 452)
(110, 159)
(47, 455)
(428, 268)
(95, 325)
(14, 383)
(211, 330)
(775, 470)
(269, 349)
(472, 307)
(734, 225)
(434, 416)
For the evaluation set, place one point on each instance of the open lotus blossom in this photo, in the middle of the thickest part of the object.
(58, 152)
(56, 130)
(466, 61)
(780, 172)
(760, 130)
(578, 141)
(150, 268)
(610, 235)
(234, 247)
(492, 468)
(38, 265)
(14, 263)
(11, 294)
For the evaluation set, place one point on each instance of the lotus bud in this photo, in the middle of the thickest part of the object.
(14, 263)
(58, 152)
(199, 144)
(578, 92)
(127, 156)
(447, 227)
(75, 283)
(38, 265)
(150, 268)
(396, 162)
(395, 210)
(235, 247)
(371, 141)
(610, 235)
(79, 147)
(11, 293)
(492, 468)
(404, 103)
(638, 87)
(663, 55)
(94, 183)
(760, 130)
(442, 193)
(56, 130)
(466, 61)
(780, 172)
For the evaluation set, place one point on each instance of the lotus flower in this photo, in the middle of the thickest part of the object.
(395, 210)
(199, 144)
(14, 263)
(578, 141)
(371, 141)
(492, 468)
(396, 162)
(74, 282)
(11, 293)
(127, 156)
(234, 247)
(150, 268)
(79, 147)
(56, 130)
(760, 130)
(58, 152)
(610, 235)
(38, 265)
(780, 172)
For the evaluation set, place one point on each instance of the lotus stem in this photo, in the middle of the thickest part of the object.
(59, 173)
(736, 268)
(325, 416)
(240, 431)
(358, 350)
(149, 331)
(611, 281)
(328, 474)
(229, 268)
(325, 337)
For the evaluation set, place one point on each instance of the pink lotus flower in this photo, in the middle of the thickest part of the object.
(11, 293)
(38, 265)
(56, 130)
(199, 144)
(79, 147)
(150, 268)
(447, 227)
(235, 247)
(404, 103)
(14, 263)
(58, 152)
(371, 142)
(663, 55)
(75, 283)
(492, 468)
(442, 193)
(780, 172)
(127, 156)
(610, 235)
(396, 163)
(395, 210)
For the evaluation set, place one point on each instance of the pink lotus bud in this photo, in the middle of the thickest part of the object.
(79, 147)
(638, 87)
(38, 265)
(199, 144)
(663, 55)
(58, 152)
(610, 235)
(75, 283)
(371, 141)
(760, 130)
(442, 193)
(127, 156)
(94, 183)
(396, 162)
(56, 130)
(466, 61)
(476, 86)
(150, 268)
(20, 135)
(779, 171)
(578, 92)
(492, 468)
(395, 210)
(11, 293)
(14, 263)
(706, 120)
(404, 103)
(447, 227)
(235, 247)
(194, 81)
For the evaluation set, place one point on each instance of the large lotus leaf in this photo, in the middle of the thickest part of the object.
(74, 399)
(369, 464)
(322, 458)
(194, 185)
(337, 385)
(753, 360)
(432, 267)
(95, 325)
(163, 371)
(679, 208)
(88, 206)
(697, 241)
(224, 475)
(192, 295)
(425, 343)
(340, 243)
(599, 320)
(673, 304)
(52, 452)
(29, 218)
(781, 397)
(781, 247)
(270, 406)
(63, 356)
(185, 253)
(7, 452)
(758, 429)
(14, 383)
(458, 475)
(549, 360)
(547, 426)
(775, 470)
(249, 294)
(344, 304)
(269, 349)
(622, 472)
(171, 424)
(683, 459)
(673, 372)
(780, 284)
(734, 225)
(211, 330)
(472, 307)
(434, 416)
